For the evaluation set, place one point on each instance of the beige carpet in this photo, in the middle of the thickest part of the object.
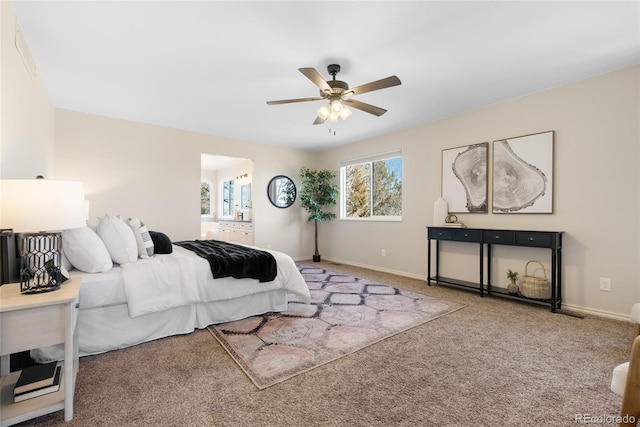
(346, 314)
(496, 362)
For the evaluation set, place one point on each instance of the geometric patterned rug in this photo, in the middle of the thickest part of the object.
(346, 314)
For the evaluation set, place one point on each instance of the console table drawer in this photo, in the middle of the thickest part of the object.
(467, 235)
(499, 237)
(440, 234)
(544, 240)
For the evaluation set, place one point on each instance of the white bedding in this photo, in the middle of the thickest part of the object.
(101, 289)
(105, 320)
(183, 278)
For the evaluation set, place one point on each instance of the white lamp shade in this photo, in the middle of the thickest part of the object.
(323, 112)
(336, 106)
(35, 205)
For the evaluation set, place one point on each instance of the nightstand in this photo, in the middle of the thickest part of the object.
(30, 321)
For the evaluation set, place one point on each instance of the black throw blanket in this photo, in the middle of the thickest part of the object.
(228, 259)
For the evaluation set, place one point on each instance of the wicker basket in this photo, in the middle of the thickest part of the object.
(534, 286)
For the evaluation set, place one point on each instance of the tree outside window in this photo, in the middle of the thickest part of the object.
(205, 198)
(372, 189)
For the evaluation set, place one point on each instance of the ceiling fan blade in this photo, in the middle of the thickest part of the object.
(377, 85)
(315, 77)
(318, 121)
(289, 101)
(371, 109)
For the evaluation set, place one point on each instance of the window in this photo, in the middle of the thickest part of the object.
(205, 198)
(227, 198)
(371, 187)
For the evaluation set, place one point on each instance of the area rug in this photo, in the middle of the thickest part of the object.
(346, 314)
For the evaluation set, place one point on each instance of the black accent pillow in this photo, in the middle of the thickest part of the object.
(161, 243)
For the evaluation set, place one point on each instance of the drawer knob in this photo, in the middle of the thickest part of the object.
(531, 239)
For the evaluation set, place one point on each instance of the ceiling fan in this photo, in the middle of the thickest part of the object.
(339, 95)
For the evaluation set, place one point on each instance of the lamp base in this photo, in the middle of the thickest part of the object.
(40, 262)
(37, 290)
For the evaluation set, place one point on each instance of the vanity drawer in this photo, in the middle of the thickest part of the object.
(242, 225)
(467, 235)
(499, 237)
(529, 238)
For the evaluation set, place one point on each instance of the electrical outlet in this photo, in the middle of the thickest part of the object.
(605, 284)
(383, 252)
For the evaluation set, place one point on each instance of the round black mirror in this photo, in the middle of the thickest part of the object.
(281, 191)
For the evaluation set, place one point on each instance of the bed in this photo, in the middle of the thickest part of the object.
(166, 294)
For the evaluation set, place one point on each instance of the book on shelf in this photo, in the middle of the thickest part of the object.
(454, 225)
(55, 386)
(34, 377)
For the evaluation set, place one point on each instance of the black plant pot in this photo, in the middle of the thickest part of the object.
(316, 258)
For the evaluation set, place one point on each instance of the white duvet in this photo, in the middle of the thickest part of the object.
(182, 278)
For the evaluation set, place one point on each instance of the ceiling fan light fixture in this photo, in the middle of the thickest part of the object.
(323, 112)
(345, 113)
(336, 106)
(333, 117)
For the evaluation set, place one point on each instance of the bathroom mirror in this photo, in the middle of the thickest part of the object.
(281, 191)
(245, 196)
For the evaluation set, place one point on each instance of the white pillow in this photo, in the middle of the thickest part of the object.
(65, 261)
(143, 238)
(118, 238)
(85, 250)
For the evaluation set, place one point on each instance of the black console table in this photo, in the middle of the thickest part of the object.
(484, 237)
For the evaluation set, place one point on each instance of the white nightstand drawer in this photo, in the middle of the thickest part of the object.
(31, 328)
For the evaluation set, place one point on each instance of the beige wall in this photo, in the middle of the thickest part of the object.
(596, 191)
(153, 172)
(26, 114)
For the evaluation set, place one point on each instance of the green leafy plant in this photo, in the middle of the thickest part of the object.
(317, 192)
(512, 275)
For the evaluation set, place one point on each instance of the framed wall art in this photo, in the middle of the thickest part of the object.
(464, 178)
(523, 174)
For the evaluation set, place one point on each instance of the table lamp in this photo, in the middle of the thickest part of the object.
(37, 210)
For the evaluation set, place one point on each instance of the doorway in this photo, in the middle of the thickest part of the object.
(225, 192)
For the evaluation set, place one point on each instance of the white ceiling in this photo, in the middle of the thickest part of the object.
(210, 66)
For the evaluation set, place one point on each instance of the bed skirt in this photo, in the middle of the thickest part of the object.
(103, 329)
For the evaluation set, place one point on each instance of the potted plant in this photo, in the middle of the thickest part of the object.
(513, 288)
(317, 192)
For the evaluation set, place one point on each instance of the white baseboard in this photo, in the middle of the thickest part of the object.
(598, 313)
(378, 268)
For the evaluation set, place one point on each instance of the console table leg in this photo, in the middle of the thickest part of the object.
(554, 281)
(559, 278)
(481, 281)
(429, 262)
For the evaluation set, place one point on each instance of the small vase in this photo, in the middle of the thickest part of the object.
(512, 288)
(440, 211)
